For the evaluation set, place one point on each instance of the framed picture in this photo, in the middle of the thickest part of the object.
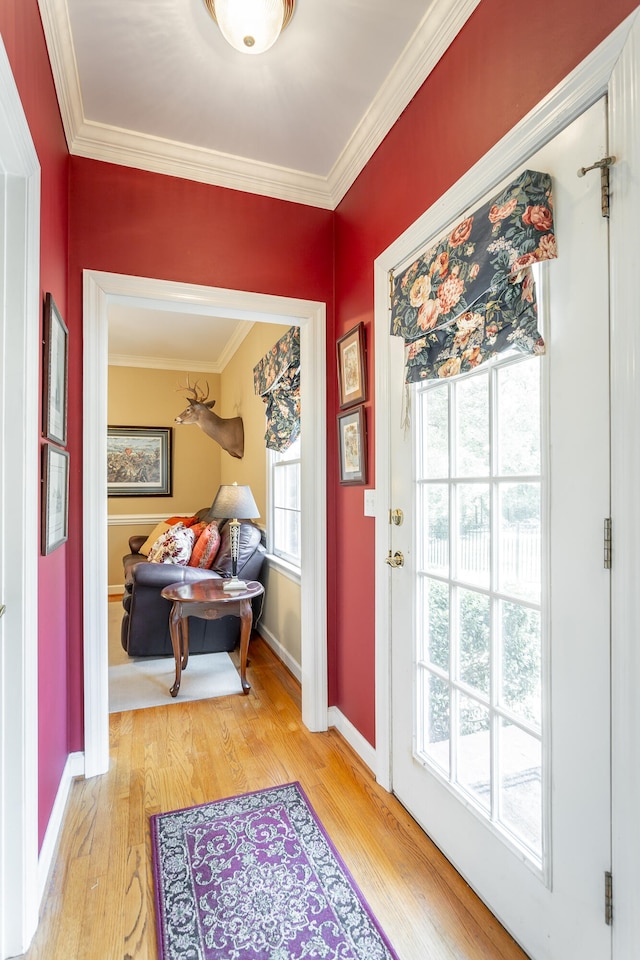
(352, 375)
(352, 443)
(139, 462)
(55, 497)
(55, 366)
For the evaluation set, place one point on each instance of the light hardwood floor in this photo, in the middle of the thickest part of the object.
(99, 902)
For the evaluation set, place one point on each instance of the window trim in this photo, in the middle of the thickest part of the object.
(279, 559)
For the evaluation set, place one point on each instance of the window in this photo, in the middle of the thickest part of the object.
(479, 663)
(284, 504)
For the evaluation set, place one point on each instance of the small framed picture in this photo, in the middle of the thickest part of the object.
(352, 374)
(139, 462)
(352, 444)
(55, 498)
(56, 352)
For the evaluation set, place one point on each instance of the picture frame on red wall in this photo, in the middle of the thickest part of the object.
(55, 498)
(352, 373)
(55, 374)
(352, 446)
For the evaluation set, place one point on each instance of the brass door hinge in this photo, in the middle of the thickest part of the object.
(608, 898)
(603, 166)
(607, 543)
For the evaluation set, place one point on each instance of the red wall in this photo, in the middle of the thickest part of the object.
(24, 42)
(502, 63)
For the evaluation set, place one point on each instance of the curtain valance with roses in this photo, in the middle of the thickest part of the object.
(276, 379)
(472, 295)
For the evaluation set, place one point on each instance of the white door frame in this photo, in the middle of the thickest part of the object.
(100, 291)
(19, 430)
(612, 68)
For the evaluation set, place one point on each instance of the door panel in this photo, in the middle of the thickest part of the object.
(512, 779)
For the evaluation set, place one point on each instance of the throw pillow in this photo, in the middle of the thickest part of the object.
(151, 539)
(206, 548)
(186, 521)
(174, 546)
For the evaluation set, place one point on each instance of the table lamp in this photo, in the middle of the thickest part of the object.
(233, 502)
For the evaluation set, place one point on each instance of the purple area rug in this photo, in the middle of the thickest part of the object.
(256, 877)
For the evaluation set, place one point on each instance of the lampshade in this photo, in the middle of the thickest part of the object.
(234, 502)
(251, 26)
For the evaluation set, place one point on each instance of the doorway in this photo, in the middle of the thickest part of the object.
(100, 290)
(20, 312)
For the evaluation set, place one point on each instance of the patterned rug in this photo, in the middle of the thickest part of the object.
(256, 877)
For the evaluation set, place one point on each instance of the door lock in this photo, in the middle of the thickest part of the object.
(396, 517)
(2, 609)
(397, 560)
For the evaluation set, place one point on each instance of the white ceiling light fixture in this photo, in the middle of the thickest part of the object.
(251, 26)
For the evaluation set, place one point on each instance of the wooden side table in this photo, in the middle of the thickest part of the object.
(208, 600)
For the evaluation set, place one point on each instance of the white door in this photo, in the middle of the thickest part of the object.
(500, 615)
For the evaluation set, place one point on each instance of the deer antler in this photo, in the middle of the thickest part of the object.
(197, 396)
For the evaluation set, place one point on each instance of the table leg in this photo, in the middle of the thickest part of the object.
(175, 629)
(246, 620)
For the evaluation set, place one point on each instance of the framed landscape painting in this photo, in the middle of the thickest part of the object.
(139, 462)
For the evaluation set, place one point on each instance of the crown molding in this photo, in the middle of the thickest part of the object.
(437, 31)
(162, 363)
(96, 141)
(129, 148)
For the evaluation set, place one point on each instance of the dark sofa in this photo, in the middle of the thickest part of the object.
(145, 624)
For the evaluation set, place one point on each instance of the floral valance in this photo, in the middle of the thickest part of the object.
(276, 379)
(472, 295)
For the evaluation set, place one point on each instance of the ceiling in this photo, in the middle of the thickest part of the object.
(153, 84)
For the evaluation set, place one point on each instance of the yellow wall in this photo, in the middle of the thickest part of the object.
(140, 397)
(238, 399)
(280, 620)
(281, 615)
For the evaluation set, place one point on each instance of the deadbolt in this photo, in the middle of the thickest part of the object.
(396, 516)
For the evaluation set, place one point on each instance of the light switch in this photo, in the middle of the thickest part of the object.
(369, 503)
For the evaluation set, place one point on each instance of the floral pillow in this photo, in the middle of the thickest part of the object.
(206, 548)
(173, 546)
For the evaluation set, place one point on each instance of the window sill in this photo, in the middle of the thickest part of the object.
(284, 567)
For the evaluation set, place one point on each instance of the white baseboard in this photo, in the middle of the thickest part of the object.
(354, 738)
(115, 588)
(292, 665)
(74, 767)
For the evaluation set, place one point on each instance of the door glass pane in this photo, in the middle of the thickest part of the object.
(435, 427)
(519, 547)
(435, 618)
(521, 661)
(435, 701)
(521, 785)
(474, 750)
(435, 524)
(474, 639)
(472, 427)
(519, 418)
(473, 545)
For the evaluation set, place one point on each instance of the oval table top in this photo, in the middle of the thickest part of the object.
(207, 591)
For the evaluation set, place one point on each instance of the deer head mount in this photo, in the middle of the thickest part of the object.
(229, 433)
